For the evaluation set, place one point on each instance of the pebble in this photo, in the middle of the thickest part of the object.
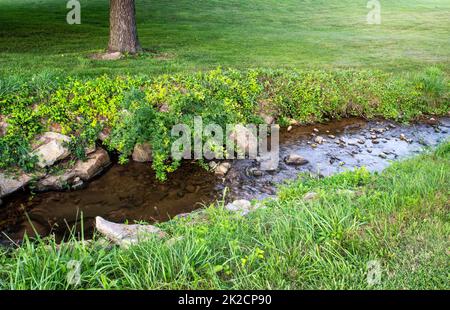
(319, 140)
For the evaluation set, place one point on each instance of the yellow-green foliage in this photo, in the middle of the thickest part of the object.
(131, 107)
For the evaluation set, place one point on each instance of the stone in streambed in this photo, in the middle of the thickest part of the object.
(294, 159)
(94, 164)
(126, 235)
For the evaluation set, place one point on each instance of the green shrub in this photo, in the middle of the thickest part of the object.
(140, 108)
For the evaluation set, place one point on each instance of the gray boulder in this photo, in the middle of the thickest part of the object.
(126, 235)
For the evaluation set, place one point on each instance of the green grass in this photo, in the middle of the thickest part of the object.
(399, 218)
(190, 35)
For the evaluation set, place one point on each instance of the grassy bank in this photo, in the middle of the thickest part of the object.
(398, 218)
(192, 35)
(136, 109)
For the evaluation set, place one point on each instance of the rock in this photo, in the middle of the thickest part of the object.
(164, 108)
(313, 145)
(392, 126)
(242, 206)
(294, 159)
(369, 151)
(379, 130)
(94, 164)
(126, 235)
(3, 126)
(361, 141)
(310, 196)
(382, 155)
(352, 142)
(331, 136)
(111, 56)
(9, 184)
(51, 148)
(55, 182)
(403, 137)
(255, 172)
(318, 140)
(316, 130)
(104, 134)
(222, 169)
(289, 128)
(245, 140)
(73, 178)
(142, 152)
(90, 149)
(375, 141)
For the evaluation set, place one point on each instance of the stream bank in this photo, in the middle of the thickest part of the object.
(131, 193)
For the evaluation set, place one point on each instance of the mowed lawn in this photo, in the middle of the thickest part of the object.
(189, 35)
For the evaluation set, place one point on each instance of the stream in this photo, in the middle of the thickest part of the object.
(131, 193)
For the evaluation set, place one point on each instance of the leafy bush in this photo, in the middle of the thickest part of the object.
(144, 109)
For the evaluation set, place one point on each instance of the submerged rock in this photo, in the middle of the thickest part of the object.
(294, 159)
(126, 235)
(142, 152)
(51, 147)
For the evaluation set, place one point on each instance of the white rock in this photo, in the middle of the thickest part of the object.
(319, 139)
(111, 56)
(11, 183)
(55, 182)
(222, 169)
(142, 152)
(242, 207)
(51, 148)
(126, 235)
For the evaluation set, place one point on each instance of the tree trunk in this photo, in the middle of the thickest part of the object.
(122, 27)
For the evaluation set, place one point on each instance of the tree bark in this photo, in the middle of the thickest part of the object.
(122, 27)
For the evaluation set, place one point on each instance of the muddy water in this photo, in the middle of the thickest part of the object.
(130, 192)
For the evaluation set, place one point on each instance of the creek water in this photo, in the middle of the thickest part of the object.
(131, 193)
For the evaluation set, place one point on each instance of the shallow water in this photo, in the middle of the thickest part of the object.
(131, 193)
